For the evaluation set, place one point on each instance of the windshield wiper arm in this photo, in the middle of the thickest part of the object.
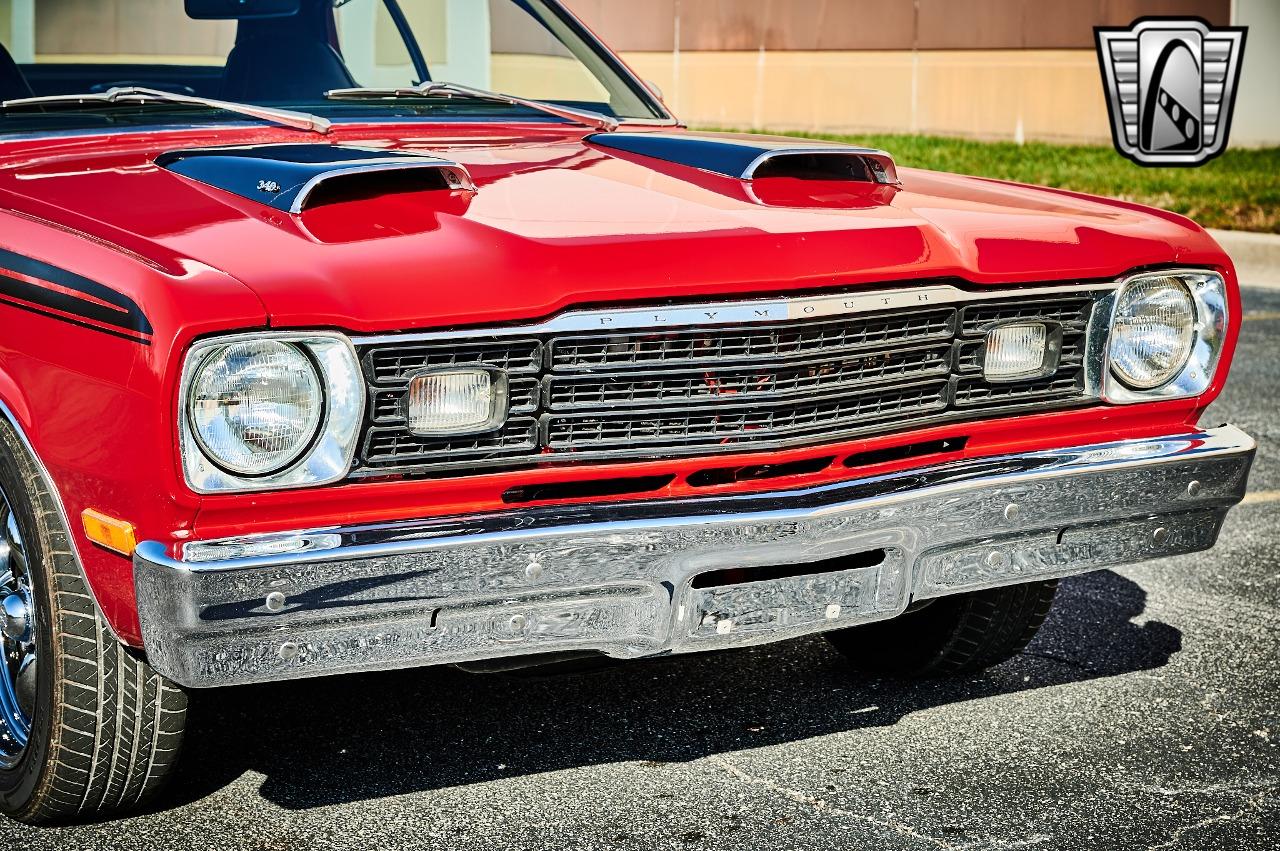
(128, 94)
(586, 117)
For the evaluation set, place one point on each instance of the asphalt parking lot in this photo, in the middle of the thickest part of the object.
(1143, 716)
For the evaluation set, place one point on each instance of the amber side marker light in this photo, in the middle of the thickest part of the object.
(118, 536)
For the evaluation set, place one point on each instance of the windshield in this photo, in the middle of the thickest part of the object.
(290, 53)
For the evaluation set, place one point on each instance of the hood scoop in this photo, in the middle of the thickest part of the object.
(295, 178)
(753, 157)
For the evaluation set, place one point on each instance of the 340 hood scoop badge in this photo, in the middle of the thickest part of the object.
(292, 177)
(752, 157)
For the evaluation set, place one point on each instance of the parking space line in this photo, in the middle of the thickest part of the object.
(1262, 316)
(1261, 497)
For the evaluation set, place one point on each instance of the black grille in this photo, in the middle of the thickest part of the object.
(654, 394)
(756, 344)
(396, 446)
(980, 318)
(741, 384)
(739, 423)
(390, 364)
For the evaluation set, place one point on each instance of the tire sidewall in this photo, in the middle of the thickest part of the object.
(18, 785)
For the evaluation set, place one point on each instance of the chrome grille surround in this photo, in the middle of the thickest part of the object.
(722, 377)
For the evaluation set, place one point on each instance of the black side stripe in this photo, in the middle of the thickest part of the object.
(128, 317)
(133, 338)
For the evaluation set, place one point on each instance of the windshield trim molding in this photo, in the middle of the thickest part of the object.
(638, 86)
(338, 125)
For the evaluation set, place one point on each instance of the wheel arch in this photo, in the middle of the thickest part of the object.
(17, 414)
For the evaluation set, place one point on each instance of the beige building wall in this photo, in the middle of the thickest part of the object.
(127, 30)
(1025, 94)
(999, 69)
(1257, 115)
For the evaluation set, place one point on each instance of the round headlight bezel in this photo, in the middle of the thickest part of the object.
(1211, 331)
(1129, 303)
(309, 430)
(329, 456)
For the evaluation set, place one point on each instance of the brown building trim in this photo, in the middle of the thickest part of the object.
(726, 25)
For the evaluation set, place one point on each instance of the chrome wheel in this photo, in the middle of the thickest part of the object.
(17, 626)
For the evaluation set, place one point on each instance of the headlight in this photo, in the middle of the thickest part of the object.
(268, 411)
(256, 407)
(1152, 332)
(1166, 336)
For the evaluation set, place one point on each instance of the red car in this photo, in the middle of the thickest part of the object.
(371, 334)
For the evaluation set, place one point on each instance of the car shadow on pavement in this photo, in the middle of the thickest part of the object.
(338, 740)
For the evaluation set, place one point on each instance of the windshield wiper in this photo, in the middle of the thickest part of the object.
(133, 94)
(586, 117)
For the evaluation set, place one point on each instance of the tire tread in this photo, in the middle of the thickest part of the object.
(953, 635)
(106, 698)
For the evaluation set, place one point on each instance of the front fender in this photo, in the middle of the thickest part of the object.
(91, 393)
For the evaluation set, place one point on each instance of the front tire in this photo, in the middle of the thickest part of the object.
(91, 729)
(953, 635)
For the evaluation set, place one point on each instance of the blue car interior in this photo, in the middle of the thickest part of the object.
(275, 59)
(13, 84)
(285, 59)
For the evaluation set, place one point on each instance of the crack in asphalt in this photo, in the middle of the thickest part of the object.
(1061, 660)
(1252, 804)
(900, 828)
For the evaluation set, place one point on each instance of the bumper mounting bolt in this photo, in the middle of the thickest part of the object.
(533, 572)
(517, 623)
(1012, 512)
(995, 559)
(1160, 536)
(275, 602)
(290, 651)
(1194, 488)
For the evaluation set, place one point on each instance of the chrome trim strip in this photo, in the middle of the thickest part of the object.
(883, 158)
(588, 118)
(455, 175)
(287, 117)
(62, 511)
(649, 122)
(762, 311)
(619, 579)
(366, 121)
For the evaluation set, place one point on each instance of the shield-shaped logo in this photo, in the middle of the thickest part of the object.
(1171, 84)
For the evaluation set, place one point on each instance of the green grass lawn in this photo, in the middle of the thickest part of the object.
(1240, 189)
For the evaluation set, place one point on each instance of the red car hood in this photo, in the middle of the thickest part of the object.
(556, 221)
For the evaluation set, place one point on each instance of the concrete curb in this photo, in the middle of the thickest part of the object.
(1256, 255)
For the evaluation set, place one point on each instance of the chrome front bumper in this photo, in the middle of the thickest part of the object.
(620, 579)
